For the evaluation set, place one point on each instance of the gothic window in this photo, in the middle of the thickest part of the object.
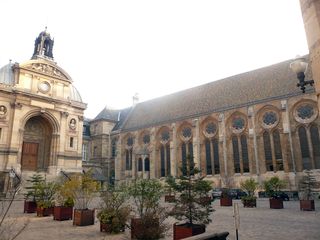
(244, 149)
(236, 156)
(238, 123)
(147, 165)
(304, 146)
(168, 159)
(184, 158)
(139, 165)
(277, 150)
(305, 111)
(186, 132)
(270, 118)
(130, 141)
(129, 159)
(211, 128)
(212, 157)
(315, 145)
(146, 139)
(165, 136)
(267, 151)
(162, 156)
(113, 147)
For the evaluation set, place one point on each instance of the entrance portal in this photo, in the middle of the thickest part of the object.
(36, 144)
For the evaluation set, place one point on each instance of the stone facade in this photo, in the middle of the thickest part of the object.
(41, 117)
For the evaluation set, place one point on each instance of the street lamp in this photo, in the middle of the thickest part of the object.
(299, 66)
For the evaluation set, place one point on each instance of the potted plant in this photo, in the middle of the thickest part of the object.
(44, 198)
(30, 205)
(170, 184)
(148, 222)
(63, 204)
(189, 206)
(114, 213)
(82, 188)
(249, 186)
(225, 199)
(272, 188)
(308, 185)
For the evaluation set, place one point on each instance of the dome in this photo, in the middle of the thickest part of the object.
(6, 75)
(74, 94)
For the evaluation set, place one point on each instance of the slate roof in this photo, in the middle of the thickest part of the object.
(108, 114)
(273, 82)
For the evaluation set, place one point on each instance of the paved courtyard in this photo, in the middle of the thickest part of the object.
(257, 224)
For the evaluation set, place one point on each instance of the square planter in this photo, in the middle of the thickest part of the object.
(137, 227)
(61, 213)
(30, 207)
(169, 198)
(225, 202)
(83, 217)
(307, 205)
(44, 212)
(182, 231)
(276, 203)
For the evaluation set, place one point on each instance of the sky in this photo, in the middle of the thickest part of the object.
(115, 49)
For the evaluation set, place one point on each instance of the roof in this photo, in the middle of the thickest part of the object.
(108, 114)
(273, 82)
(6, 75)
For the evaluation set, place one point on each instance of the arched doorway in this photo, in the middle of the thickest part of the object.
(36, 144)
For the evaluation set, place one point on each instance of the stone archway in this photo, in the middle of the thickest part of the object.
(36, 146)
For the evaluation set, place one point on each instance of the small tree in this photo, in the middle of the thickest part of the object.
(249, 186)
(308, 185)
(273, 186)
(81, 188)
(33, 183)
(114, 211)
(170, 184)
(44, 193)
(191, 186)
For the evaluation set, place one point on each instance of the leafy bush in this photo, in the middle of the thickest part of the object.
(249, 186)
(273, 186)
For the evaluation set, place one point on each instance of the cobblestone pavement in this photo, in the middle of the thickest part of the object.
(257, 224)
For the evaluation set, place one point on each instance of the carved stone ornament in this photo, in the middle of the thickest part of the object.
(186, 134)
(48, 70)
(73, 124)
(3, 111)
(269, 119)
(305, 112)
(164, 137)
(210, 129)
(238, 124)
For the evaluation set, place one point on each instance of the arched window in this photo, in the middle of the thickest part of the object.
(267, 151)
(163, 165)
(128, 159)
(139, 165)
(236, 156)
(315, 145)
(147, 164)
(277, 150)
(186, 150)
(113, 147)
(245, 157)
(304, 146)
(212, 156)
(168, 160)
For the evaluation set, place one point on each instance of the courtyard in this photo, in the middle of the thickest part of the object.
(257, 224)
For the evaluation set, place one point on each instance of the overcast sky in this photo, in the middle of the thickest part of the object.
(114, 49)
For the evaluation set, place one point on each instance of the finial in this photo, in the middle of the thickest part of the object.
(45, 29)
(10, 60)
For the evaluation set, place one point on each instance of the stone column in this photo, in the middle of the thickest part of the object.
(196, 143)
(173, 151)
(152, 155)
(222, 137)
(119, 161)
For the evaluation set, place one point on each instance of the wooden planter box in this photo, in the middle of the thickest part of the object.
(44, 212)
(61, 213)
(225, 202)
(307, 205)
(137, 227)
(30, 207)
(276, 203)
(169, 198)
(83, 217)
(249, 203)
(182, 231)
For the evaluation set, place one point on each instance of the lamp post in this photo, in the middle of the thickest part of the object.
(299, 66)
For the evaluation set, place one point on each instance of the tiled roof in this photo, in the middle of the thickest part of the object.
(261, 85)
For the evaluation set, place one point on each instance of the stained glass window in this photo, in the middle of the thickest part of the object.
(270, 118)
(216, 156)
(208, 158)
(168, 159)
(236, 156)
(146, 139)
(244, 149)
(186, 132)
(304, 146)
(238, 123)
(305, 111)
(211, 128)
(267, 151)
(162, 154)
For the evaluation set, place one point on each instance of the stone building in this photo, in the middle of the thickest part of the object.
(256, 124)
(41, 116)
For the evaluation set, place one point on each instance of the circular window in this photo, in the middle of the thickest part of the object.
(146, 139)
(210, 129)
(165, 136)
(306, 113)
(238, 124)
(44, 87)
(270, 119)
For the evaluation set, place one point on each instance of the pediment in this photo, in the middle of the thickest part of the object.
(47, 68)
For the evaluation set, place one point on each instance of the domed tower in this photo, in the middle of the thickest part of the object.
(41, 115)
